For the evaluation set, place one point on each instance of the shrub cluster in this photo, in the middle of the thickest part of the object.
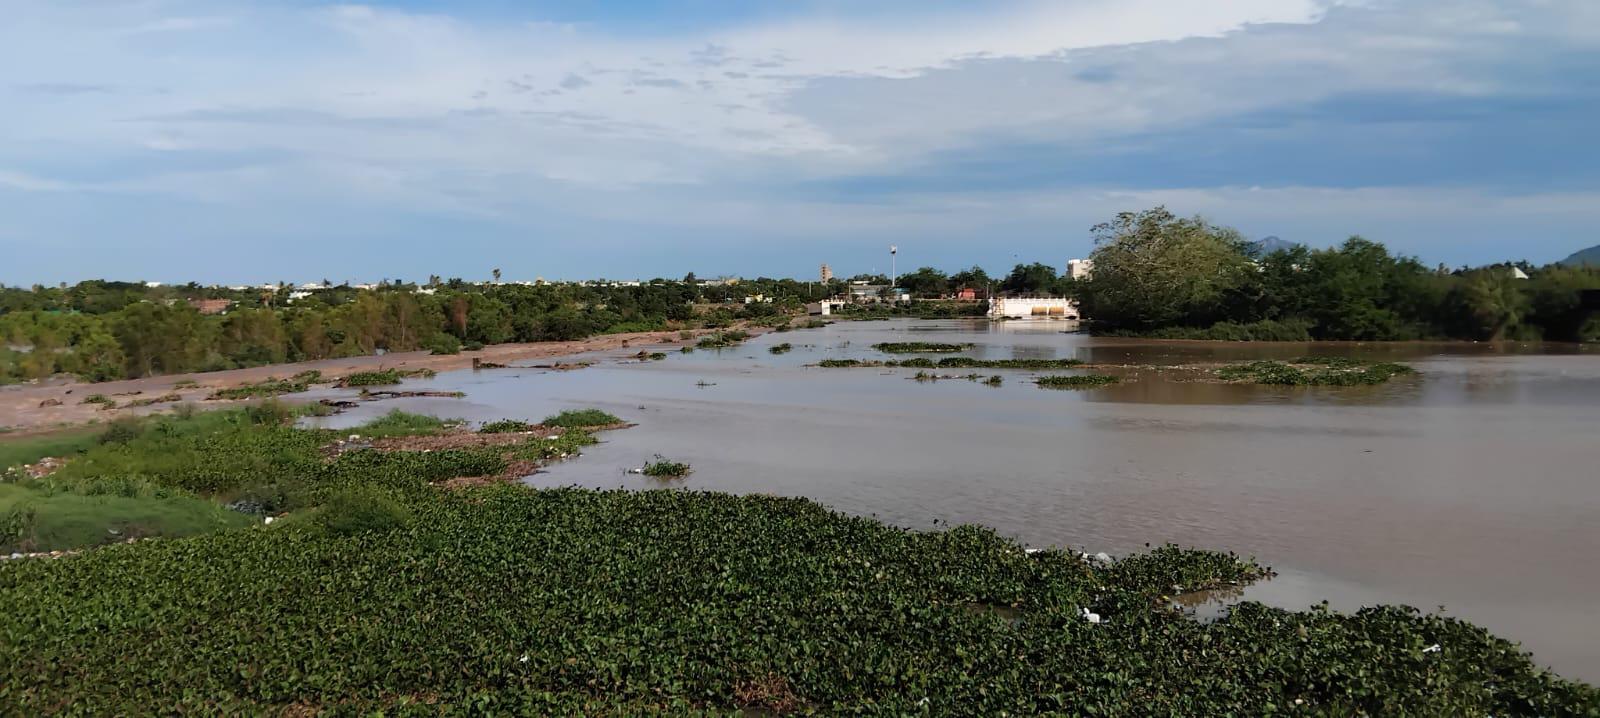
(917, 347)
(1082, 381)
(1314, 371)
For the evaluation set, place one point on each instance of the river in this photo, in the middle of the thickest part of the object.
(1473, 485)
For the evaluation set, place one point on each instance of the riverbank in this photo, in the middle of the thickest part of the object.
(27, 409)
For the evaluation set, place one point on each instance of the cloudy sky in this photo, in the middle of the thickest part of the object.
(265, 140)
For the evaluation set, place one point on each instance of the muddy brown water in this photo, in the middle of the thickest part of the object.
(1474, 485)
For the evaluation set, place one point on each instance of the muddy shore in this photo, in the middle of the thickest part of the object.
(28, 409)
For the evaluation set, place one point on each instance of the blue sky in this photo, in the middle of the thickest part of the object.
(247, 140)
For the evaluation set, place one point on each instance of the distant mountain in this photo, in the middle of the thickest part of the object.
(1590, 257)
(1267, 245)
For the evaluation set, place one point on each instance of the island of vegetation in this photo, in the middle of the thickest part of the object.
(920, 347)
(405, 573)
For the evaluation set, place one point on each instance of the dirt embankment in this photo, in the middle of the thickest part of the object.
(37, 408)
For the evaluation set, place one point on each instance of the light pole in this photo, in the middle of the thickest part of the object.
(894, 275)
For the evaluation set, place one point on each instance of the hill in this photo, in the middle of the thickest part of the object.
(1582, 257)
(1267, 245)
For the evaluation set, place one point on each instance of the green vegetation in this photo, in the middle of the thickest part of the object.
(104, 401)
(915, 310)
(186, 384)
(657, 356)
(505, 426)
(783, 348)
(159, 399)
(916, 347)
(1163, 276)
(401, 423)
(663, 468)
(956, 363)
(444, 344)
(382, 377)
(41, 516)
(1314, 371)
(722, 339)
(271, 387)
(1083, 381)
(995, 380)
(582, 418)
(16, 451)
(507, 600)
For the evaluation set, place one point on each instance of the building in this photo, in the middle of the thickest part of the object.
(211, 306)
(1033, 308)
(1079, 268)
(827, 274)
(966, 294)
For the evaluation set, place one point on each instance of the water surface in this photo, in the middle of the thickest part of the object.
(1473, 485)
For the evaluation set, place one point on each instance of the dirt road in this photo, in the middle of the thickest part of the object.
(34, 408)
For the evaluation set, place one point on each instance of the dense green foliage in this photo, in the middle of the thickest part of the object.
(111, 330)
(1314, 371)
(505, 426)
(1080, 381)
(917, 310)
(1164, 276)
(381, 377)
(916, 347)
(664, 468)
(581, 418)
(506, 600)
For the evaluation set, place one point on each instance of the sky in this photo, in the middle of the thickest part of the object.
(291, 140)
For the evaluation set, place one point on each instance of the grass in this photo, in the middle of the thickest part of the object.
(401, 423)
(722, 339)
(271, 387)
(151, 400)
(505, 426)
(783, 348)
(581, 418)
(956, 363)
(15, 451)
(40, 519)
(1083, 381)
(104, 401)
(663, 468)
(1314, 371)
(507, 600)
(916, 347)
(383, 377)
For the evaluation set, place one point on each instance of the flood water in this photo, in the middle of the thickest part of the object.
(1474, 485)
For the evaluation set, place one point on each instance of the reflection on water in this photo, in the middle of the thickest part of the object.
(1472, 485)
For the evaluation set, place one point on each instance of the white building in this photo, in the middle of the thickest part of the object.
(1079, 268)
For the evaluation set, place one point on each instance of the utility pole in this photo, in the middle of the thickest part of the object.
(894, 274)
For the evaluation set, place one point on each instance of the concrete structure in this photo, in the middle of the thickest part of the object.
(211, 306)
(827, 274)
(825, 307)
(1079, 268)
(1033, 308)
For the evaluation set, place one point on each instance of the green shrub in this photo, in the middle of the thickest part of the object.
(1314, 371)
(1083, 381)
(402, 423)
(914, 347)
(381, 377)
(580, 419)
(473, 346)
(443, 343)
(270, 412)
(505, 426)
(360, 511)
(663, 468)
(122, 430)
(783, 348)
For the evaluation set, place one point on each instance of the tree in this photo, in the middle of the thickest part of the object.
(1036, 278)
(926, 282)
(1153, 269)
(974, 278)
(496, 274)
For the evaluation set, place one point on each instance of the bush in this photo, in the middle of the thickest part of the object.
(359, 511)
(443, 343)
(381, 377)
(1075, 382)
(581, 419)
(505, 426)
(474, 346)
(122, 430)
(663, 468)
(270, 412)
(783, 348)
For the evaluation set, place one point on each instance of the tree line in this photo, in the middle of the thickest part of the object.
(112, 330)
